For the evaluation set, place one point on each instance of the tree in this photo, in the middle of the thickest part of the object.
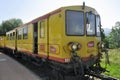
(1, 30)
(9, 25)
(114, 37)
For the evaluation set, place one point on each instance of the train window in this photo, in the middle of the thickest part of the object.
(7, 36)
(19, 34)
(42, 29)
(90, 23)
(25, 33)
(11, 36)
(98, 25)
(74, 23)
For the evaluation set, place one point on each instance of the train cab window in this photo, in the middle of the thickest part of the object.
(25, 33)
(19, 33)
(90, 23)
(74, 23)
(42, 29)
(98, 25)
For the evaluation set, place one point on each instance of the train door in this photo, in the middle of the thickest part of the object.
(35, 38)
(43, 42)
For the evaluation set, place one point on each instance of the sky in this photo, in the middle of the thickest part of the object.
(27, 10)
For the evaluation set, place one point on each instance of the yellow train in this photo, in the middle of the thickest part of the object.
(68, 39)
(2, 41)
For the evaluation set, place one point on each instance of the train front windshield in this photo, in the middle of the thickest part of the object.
(75, 23)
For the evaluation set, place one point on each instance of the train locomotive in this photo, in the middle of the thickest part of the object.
(68, 39)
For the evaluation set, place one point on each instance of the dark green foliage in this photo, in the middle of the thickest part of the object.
(9, 25)
(114, 37)
(102, 34)
(104, 38)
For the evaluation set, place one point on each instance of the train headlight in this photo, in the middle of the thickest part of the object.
(74, 46)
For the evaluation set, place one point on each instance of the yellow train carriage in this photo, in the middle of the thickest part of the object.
(11, 40)
(60, 35)
(65, 28)
(2, 41)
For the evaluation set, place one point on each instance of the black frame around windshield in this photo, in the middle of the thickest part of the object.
(90, 24)
(74, 23)
(98, 26)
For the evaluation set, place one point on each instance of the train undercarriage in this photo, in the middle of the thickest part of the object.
(79, 70)
(91, 73)
(74, 71)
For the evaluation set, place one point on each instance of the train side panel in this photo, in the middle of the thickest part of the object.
(55, 35)
(2, 42)
(50, 35)
(43, 38)
(25, 39)
(11, 40)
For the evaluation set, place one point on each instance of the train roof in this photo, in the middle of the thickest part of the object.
(55, 12)
(11, 31)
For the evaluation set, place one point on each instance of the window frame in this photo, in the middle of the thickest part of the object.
(8, 37)
(66, 24)
(25, 32)
(20, 32)
(11, 36)
(94, 24)
(42, 26)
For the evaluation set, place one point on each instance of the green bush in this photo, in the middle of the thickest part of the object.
(114, 67)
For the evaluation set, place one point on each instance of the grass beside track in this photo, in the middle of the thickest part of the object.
(114, 67)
